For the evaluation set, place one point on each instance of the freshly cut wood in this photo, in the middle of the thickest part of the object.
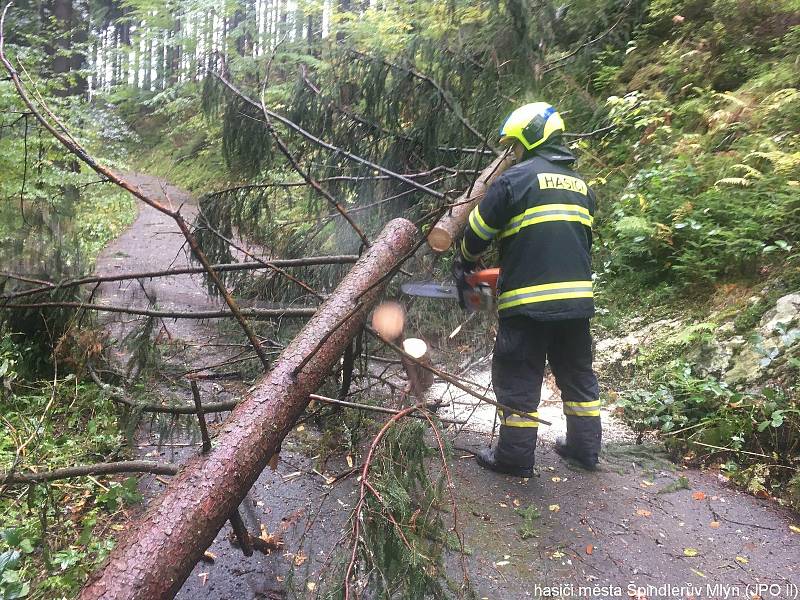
(449, 227)
(159, 550)
(420, 379)
(389, 319)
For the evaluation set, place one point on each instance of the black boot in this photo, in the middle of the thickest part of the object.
(564, 450)
(486, 459)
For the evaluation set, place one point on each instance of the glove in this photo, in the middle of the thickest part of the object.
(459, 271)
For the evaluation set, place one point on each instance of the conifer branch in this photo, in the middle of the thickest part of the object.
(306, 175)
(442, 94)
(328, 146)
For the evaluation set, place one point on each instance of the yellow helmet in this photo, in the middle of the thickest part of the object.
(532, 124)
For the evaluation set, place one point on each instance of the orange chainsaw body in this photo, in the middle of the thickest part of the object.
(483, 290)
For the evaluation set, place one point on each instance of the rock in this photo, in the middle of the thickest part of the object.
(776, 333)
(618, 355)
(746, 366)
(785, 314)
(711, 359)
(726, 329)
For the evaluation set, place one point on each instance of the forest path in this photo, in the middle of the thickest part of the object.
(640, 521)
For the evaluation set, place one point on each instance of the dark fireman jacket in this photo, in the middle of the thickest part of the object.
(540, 211)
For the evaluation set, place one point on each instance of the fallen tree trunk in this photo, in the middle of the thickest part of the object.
(160, 549)
(449, 227)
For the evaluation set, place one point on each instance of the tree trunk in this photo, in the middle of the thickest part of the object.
(137, 57)
(450, 226)
(160, 549)
(124, 51)
(62, 21)
(147, 77)
(80, 36)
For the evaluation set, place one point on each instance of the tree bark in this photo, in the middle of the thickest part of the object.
(450, 226)
(159, 551)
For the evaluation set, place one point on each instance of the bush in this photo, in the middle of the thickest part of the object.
(756, 436)
(675, 221)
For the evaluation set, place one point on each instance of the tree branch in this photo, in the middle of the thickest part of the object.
(47, 286)
(129, 466)
(236, 246)
(307, 176)
(263, 313)
(295, 127)
(445, 98)
(559, 62)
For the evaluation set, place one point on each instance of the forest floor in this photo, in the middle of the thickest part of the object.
(642, 520)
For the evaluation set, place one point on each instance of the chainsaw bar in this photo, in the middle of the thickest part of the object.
(430, 289)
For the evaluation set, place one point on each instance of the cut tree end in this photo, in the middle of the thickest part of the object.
(439, 239)
(415, 347)
(388, 320)
(420, 379)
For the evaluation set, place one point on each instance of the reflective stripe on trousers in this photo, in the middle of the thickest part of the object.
(514, 420)
(582, 409)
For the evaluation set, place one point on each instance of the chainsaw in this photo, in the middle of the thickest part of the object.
(480, 294)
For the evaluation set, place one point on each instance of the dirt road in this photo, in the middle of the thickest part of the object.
(641, 521)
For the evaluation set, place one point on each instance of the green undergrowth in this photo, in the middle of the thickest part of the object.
(403, 527)
(54, 534)
(179, 143)
(698, 225)
(56, 214)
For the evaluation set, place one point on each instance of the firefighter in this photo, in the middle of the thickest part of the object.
(540, 213)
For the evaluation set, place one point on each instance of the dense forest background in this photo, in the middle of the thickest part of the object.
(685, 116)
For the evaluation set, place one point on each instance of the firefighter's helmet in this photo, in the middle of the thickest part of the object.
(532, 124)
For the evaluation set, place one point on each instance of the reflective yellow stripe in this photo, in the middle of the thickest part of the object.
(513, 420)
(466, 253)
(545, 213)
(556, 181)
(479, 226)
(582, 409)
(545, 293)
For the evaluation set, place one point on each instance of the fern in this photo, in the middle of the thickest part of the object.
(749, 172)
(735, 181)
(784, 163)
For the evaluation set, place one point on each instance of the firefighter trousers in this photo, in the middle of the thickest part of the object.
(522, 347)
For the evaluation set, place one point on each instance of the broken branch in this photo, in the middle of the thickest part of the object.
(129, 466)
(262, 313)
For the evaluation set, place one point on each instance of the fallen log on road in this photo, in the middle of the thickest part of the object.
(159, 550)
